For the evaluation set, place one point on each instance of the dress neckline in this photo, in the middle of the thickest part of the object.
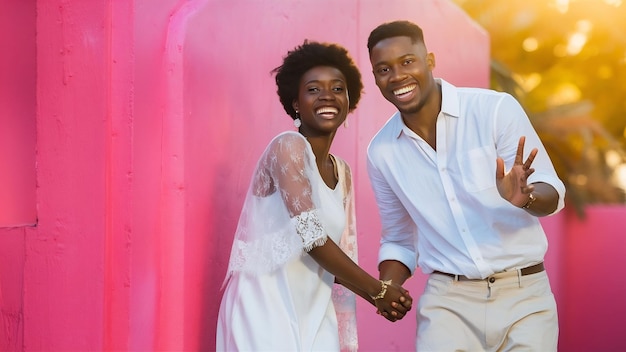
(335, 171)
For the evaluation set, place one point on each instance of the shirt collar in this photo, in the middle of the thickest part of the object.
(449, 106)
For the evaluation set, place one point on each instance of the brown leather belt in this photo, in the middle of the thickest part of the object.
(533, 269)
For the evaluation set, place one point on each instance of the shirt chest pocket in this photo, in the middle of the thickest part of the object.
(478, 168)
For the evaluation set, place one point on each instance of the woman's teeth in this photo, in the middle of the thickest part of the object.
(326, 110)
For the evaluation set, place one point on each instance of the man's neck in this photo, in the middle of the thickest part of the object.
(424, 121)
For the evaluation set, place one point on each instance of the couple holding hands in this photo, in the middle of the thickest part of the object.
(457, 196)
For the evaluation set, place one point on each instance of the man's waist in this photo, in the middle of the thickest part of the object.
(533, 269)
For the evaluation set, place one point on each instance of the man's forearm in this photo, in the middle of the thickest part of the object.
(394, 270)
(546, 200)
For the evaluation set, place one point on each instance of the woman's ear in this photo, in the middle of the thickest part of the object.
(294, 105)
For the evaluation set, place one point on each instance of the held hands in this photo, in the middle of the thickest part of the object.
(395, 302)
(513, 185)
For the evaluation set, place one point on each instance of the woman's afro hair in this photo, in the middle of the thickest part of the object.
(307, 56)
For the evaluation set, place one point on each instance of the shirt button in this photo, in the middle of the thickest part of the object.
(492, 279)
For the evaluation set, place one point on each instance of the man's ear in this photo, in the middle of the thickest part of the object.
(430, 60)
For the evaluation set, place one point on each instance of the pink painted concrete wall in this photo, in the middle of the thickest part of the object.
(150, 115)
(64, 286)
(593, 308)
(17, 113)
(17, 161)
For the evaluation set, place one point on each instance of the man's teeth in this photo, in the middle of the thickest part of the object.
(327, 110)
(404, 90)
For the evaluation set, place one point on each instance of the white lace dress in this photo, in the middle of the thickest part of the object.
(277, 298)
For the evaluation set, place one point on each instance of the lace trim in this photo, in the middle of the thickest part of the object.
(264, 255)
(309, 228)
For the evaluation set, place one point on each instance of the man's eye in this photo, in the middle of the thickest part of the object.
(383, 70)
(338, 89)
(408, 61)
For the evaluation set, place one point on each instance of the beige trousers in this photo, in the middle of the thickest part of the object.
(512, 313)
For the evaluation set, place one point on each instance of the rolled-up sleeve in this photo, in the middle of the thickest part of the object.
(399, 233)
(513, 116)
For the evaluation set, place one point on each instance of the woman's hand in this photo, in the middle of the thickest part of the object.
(395, 304)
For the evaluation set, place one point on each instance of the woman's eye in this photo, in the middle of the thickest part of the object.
(338, 89)
(313, 89)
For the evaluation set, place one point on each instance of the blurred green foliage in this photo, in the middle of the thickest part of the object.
(565, 60)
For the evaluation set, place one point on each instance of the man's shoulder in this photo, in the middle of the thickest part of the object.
(389, 130)
(468, 91)
(480, 92)
(483, 99)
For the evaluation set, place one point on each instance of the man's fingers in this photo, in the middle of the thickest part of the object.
(531, 158)
(519, 156)
(499, 168)
(407, 305)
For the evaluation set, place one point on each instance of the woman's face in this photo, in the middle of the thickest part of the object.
(322, 100)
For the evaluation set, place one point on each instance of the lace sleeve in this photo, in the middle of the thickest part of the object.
(292, 170)
(280, 203)
(309, 227)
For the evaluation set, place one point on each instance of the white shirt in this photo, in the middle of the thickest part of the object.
(440, 209)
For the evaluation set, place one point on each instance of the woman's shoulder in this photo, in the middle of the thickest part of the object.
(289, 136)
(343, 171)
(341, 163)
(289, 141)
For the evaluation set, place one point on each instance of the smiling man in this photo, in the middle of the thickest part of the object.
(459, 198)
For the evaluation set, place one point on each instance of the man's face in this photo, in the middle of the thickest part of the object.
(403, 72)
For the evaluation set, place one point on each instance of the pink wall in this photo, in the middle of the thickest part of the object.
(593, 311)
(17, 113)
(17, 161)
(64, 284)
(150, 116)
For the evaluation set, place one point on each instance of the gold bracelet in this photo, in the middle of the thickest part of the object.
(383, 289)
(531, 200)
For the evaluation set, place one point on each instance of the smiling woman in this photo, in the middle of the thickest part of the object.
(296, 236)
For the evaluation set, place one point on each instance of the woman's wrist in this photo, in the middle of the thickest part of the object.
(383, 290)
